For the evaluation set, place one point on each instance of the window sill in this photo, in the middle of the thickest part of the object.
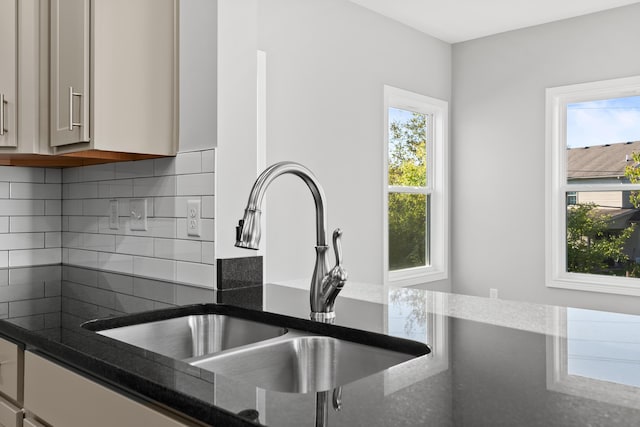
(594, 283)
(415, 276)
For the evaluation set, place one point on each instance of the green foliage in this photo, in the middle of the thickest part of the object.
(591, 247)
(407, 212)
(632, 172)
(408, 152)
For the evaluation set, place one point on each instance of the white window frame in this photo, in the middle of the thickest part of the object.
(436, 189)
(557, 99)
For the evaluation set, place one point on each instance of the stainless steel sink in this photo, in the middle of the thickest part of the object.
(194, 335)
(301, 363)
(268, 350)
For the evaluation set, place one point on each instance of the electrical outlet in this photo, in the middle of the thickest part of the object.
(113, 215)
(138, 212)
(493, 293)
(193, 218)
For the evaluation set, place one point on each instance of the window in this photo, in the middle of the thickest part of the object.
(593, 178)
(415, 202)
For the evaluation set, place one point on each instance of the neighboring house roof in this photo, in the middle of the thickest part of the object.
(600, 161)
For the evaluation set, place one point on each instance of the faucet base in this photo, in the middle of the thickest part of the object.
(322, 316)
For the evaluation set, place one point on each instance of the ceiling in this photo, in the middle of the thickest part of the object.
(459, 20)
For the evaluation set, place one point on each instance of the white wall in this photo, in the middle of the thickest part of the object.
(498, 157)
(236, 156)
(326, 64)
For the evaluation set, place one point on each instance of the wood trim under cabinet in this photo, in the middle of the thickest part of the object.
(80, 158)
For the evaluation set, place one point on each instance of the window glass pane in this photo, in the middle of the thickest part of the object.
(602, 137)
(407, 230)
(601, 233)
(407, 148)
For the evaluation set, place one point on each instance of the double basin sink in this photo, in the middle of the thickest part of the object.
(271, 351)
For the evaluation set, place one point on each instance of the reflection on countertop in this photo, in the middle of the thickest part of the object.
(493, 362)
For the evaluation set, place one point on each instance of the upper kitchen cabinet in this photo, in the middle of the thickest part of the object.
(114, 77)
(21, 87)
(8, 72)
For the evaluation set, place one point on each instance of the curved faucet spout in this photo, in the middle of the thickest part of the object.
(248, 231)
(325, 284)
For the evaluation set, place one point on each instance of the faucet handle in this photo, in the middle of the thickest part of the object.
(337, 246)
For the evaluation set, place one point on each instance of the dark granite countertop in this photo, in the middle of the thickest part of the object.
(494, 362)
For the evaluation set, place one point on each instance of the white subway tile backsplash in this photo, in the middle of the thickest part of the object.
(154, 187)
(82, 258)
(196, 184)
(99, 242)
(80, 190)
(83, 224)
(101, 172)
(139, 169)
(95, 207)
(157, 227)
(208, 161)
(170, 207)
(181, 250)
(18, 174)
(71, 207)
(115, 188)
(71, 240)
(22, 241)
(70, 175)
(153, 267)
(187, 163)
(134, 245)
(115, 262)
(27, 257)
(164, 166)
(27, 224)
(19, 190)
(12, 207)
(48, 216)
(208, 207)
(197, 274)
(208, 253)
(53, 207)
(4, 190)
(53, 239)
(53, 176)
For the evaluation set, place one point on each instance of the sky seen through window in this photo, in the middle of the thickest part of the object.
(606, 121)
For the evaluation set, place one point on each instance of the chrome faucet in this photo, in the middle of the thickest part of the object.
(325, 284)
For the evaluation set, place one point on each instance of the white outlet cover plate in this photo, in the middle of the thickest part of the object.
(193, 218)
(138, 219)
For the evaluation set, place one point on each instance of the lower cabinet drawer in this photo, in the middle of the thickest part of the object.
(63, 398)
(11, 370)
(10, 415)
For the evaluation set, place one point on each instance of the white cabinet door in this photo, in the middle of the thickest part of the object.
(70, 41)
(8, 67)
(66, 399)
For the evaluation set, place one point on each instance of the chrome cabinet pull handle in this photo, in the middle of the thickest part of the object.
(72, 124)
(3, 102)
